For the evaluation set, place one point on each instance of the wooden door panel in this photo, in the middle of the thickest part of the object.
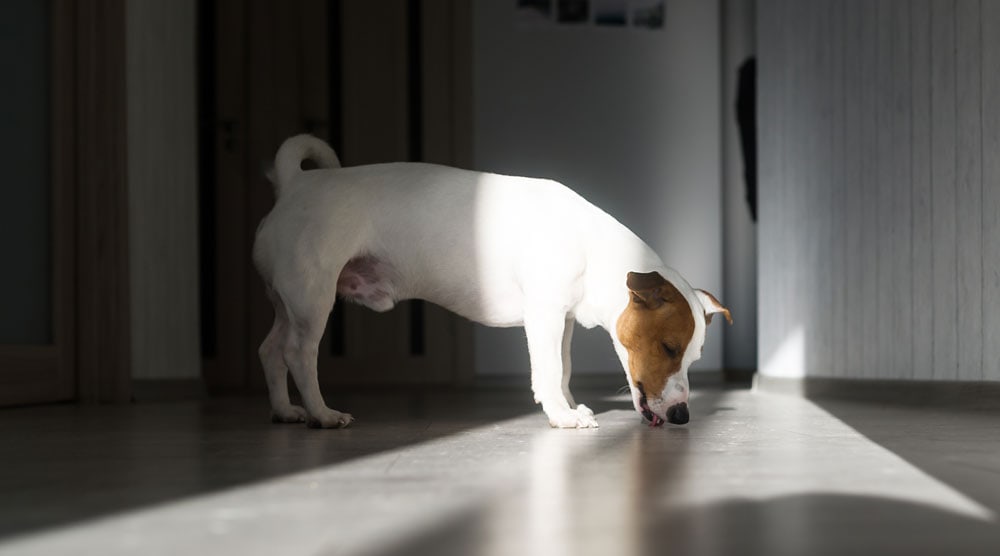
(282, 69)
(275, 67)
(377, 104)
(375, 88)
(227, 359)
(46, 372)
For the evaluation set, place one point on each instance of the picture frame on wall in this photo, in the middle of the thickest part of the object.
(648, 14)
(533, 13)
(573, 11)
(611, 13)
(639, 14)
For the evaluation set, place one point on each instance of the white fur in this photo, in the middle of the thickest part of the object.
(288, 160)
(499, 250)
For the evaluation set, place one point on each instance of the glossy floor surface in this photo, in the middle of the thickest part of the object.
(480, 472)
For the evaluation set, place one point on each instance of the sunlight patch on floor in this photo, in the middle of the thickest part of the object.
(517, 486)
(782, 446)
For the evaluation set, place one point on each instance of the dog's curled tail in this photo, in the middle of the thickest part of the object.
(288, 161)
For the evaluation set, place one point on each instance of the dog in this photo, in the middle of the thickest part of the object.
(499, 250)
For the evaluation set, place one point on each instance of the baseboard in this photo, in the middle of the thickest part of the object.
(167, 390)
(972, 394)
(615, 380)
(596, 381)
(739, 376)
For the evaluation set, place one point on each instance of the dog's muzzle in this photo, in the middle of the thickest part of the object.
(678, 413)
(647, 414)
(654, 419)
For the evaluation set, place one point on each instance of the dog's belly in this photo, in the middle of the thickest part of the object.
(375, 283)
(367, 281)
(497, 310)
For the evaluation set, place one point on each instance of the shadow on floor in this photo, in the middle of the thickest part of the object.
(68, 463)
(956, 444)
(580, 495)
(614, 497)
(62, 465)
(817, 525)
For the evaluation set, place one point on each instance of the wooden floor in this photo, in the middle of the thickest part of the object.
(480, 472)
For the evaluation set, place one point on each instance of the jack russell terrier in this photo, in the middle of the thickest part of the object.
(498, 250)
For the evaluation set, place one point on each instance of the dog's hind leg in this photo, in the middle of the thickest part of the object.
(272, 358)
(307, 315)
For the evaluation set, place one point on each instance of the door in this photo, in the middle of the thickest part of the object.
(382, 81)
(36, 285)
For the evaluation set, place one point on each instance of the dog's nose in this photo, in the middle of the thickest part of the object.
(678, 414)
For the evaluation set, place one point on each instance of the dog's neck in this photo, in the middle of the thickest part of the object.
(612, 256)
(607, 296)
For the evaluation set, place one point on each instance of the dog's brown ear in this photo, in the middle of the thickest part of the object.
(647, 288)
(712, 306)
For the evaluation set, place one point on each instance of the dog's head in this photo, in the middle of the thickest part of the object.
(662, 330)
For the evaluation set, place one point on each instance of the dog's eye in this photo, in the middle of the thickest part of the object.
(670, 351)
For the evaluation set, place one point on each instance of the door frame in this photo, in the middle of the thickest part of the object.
(88, 359)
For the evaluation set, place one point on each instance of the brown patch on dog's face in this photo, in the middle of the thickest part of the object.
(656, 328)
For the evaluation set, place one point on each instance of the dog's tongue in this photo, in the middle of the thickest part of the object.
(654, 419)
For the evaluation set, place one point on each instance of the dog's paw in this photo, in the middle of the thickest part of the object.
(330, 419)
(288, 414)
(580, 418)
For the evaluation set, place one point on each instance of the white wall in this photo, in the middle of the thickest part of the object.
(629, 118)
(163, 187)
(879, 205)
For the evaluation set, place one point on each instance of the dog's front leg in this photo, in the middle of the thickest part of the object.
(546, 331)
(567, 361)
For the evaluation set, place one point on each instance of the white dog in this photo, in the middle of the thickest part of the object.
(499, 250)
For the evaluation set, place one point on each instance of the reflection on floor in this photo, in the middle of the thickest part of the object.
(481, 473)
